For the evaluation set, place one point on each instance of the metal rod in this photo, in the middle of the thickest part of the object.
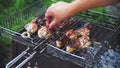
(16, 59)
(40, 44)
(109, 36)
(26, 60)
(43, 49)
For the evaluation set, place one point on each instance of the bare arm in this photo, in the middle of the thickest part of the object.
(80, 5)
(62, 10)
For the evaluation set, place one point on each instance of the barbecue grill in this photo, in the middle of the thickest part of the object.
(104, 29)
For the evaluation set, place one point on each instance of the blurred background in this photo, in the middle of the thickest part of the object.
(8, 7)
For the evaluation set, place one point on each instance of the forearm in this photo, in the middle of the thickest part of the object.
(80, 5)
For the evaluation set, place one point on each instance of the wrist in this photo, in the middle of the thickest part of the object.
(74, 8)
(77, 6)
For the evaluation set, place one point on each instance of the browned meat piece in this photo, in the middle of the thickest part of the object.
(82, 42)
(44, 32)
(83, 31)
(70, 49)
(71, 35)
(59, 44)
(74, 34)
(31, 27)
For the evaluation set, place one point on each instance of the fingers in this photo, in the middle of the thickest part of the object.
(52, 24)
(49, 20)
(49, 16)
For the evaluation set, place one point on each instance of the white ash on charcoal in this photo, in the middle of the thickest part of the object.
(110, 59)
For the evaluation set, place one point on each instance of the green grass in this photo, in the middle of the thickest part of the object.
(100, 9)
(5, 40)
(49, 2)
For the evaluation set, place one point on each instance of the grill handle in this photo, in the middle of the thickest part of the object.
(31, 56)
(26, 60)
(17, 58)
(11, 63)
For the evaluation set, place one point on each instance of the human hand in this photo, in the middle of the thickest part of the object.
(56, 13)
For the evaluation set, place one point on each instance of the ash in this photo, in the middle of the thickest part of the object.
(109, 59)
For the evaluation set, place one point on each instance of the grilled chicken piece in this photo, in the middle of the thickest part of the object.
(82, 42)
(44, 32)
(59, 44)
(70, 49)
(71, 35)
(74, 34)
(31, 27)
(62, 41)
(83, 31)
